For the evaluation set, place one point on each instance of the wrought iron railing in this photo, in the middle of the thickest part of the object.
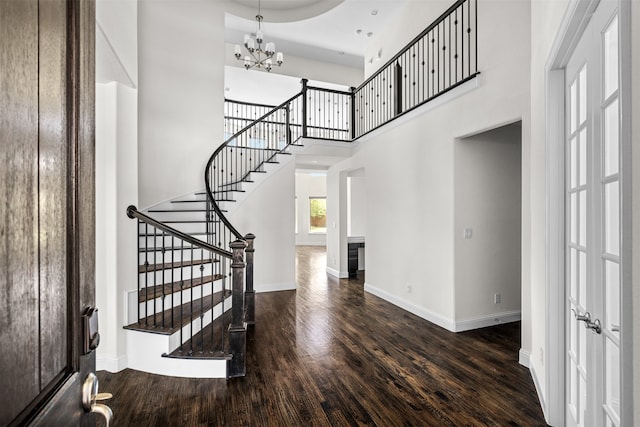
(439, 59)
(192, 290)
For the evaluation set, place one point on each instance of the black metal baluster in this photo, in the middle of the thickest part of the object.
(202, 300)
(162, 280)
(449, 49)
(181, 291)
(469, 34)
(476, 32)
(304, 108)
(172, 279)
(190, 303)
(455, 22)
(462, 37)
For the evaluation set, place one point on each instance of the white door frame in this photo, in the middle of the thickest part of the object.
(573, 25)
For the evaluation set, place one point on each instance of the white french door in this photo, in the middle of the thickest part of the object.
(592, 242)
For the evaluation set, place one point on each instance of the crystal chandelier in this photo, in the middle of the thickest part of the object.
(259, 56)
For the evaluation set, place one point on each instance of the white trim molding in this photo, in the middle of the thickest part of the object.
(432, 317)
(487, 320)
(275, 287)
(339, 274)
(540, 391)
(111, 363)
(524, 358)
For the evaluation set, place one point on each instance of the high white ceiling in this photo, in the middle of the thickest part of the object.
(339, 34)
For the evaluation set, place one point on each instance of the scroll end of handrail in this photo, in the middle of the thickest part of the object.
(131, 210)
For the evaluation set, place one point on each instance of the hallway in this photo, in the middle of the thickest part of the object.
(330, 354)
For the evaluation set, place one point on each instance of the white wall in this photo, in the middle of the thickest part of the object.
(299, 67)
(116, 172)
(545, 22)
(118, 19)
(181, 93)
(410, 165)
(309, 184)
(488, 203)
(116, 188)
(337, 219)
(414, 18)
(356, 205)
(635, 57)
(268, 212)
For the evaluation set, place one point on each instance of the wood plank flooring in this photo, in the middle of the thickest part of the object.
(330, 354)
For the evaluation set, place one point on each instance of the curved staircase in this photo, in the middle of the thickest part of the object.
(191, 301)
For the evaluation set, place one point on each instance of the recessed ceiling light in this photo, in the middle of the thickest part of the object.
(358, 31)
(369, 34)
(374, 12)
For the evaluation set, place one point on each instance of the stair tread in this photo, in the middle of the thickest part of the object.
(188, 201)
(208, 337)
(153, 292)
(236, 183)
(167, 265)
(160, 323)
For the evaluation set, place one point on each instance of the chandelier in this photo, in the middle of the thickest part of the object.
(258, 56)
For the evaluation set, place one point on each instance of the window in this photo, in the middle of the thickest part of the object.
(317, 214)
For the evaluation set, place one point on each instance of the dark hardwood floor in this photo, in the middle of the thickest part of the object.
(330, 354)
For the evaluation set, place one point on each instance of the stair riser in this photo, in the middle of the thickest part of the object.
(178, 215)
(171, 275)
(185, 227)
(198, 324)
(178, 298)
(157, 257)
(202, 205)
(160, 241)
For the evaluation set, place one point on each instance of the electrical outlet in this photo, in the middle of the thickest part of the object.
(497, 298)
(468, 233)
(409, 289)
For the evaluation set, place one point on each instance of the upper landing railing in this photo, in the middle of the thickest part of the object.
(440, 58)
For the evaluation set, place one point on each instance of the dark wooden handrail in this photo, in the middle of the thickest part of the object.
(133, 212)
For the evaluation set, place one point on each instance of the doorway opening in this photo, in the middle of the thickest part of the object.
(488, 228)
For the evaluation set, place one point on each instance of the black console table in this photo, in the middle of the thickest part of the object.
(352, 256)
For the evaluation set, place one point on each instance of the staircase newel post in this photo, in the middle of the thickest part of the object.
(398, 89)
(287, 115)
(250, 294)
(304, 107)
(352, 112)
(237, 328)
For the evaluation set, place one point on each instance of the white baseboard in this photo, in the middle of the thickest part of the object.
(487, 320)
(311, 244)
(111, 363)
(524, 358)
(339, 274)
(539, 390)
(432, 317)
(275, 287)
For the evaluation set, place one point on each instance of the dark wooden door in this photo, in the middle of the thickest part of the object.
(46, 208)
